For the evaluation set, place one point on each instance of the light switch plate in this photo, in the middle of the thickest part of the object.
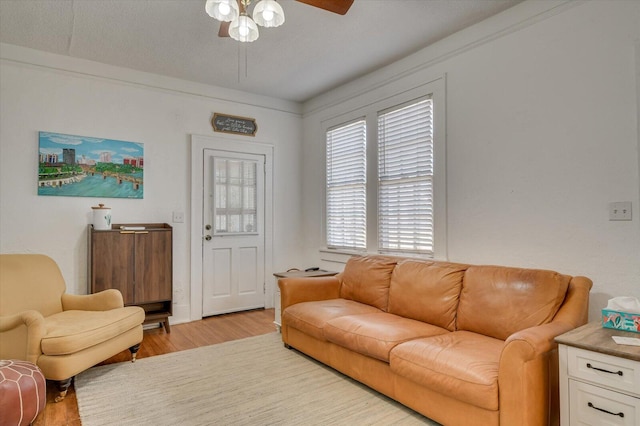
(620, 210)
(178, 217)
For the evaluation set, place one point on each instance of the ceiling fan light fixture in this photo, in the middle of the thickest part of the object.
(237, 24)
(243, 29)
(268, 13)
(222, 10)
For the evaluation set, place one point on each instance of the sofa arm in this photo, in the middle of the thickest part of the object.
(20, 336)
(539, 339)
(575, 308)
(528, 375)
(102, 301)
(306, 289)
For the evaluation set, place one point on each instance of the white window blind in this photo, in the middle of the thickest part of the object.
(346, 186)
(405, 179)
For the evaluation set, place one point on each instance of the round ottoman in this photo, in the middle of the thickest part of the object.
(23, 392)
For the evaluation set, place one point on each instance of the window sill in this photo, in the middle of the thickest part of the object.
(342, 256)
(337, 255)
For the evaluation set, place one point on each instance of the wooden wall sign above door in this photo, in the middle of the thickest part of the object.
(234, 124)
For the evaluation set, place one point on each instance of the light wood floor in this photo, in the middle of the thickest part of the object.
(209, 331)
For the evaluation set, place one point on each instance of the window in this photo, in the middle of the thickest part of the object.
(405, 179)
(235, 196)
(385, 175)
(346, 186)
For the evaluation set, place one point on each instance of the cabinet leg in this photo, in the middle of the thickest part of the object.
(166, 325)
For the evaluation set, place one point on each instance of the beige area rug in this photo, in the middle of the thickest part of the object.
(254, 381)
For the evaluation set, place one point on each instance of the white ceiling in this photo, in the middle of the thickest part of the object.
(314, 51)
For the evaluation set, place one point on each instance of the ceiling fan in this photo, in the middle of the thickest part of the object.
(236, 23)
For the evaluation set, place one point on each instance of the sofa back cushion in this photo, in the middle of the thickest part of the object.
(365, 279)
(426, 291)
(498, 301)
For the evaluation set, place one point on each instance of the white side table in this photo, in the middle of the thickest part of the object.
(599, 379)
(288, 274)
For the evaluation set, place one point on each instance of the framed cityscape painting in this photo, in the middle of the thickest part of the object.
(81, 166)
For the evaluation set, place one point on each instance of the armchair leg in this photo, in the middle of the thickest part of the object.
(134, 352)
(63, 387)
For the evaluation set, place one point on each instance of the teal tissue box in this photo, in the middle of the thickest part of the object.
(621, 320)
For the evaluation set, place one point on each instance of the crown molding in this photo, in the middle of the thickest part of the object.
(22, 56)
(507, 22)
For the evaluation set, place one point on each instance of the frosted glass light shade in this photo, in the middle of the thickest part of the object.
(243, 29)
(222, 10)
(268, 13)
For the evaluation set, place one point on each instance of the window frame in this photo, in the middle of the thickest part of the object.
(327, 185)
(370, 111)
(418, 178)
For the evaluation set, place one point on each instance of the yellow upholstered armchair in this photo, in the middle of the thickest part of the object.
(61, 333)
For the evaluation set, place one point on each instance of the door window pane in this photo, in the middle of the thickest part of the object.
(235, 196)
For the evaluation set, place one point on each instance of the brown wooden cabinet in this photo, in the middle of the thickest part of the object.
(137, 260)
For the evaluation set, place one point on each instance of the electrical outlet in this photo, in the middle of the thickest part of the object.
(178, 217)
(620, 210)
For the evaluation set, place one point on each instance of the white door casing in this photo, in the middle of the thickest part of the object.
(231, 145)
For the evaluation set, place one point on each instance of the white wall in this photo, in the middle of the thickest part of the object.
(542, 135)
(44, 92)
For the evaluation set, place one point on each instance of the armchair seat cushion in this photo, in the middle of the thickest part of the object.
(460, 364)
(68, 332)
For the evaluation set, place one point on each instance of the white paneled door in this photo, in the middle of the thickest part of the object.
(233, 232)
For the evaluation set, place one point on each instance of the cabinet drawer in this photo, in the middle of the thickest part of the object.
(595, 406)
(615, 373)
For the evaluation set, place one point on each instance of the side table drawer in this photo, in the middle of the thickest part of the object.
(594, 406)
(612, 372)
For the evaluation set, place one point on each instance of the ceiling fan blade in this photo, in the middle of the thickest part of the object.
(224, 29)
(336, 6)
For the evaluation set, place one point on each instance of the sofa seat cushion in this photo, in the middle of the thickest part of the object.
(311, 317)
(376, 334)
(461, 364)
(69, 332)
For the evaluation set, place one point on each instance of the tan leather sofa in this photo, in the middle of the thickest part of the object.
(460, 344)
(61, 333)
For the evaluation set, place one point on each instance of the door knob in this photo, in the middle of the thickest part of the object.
(207, 237)
(207, 227)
